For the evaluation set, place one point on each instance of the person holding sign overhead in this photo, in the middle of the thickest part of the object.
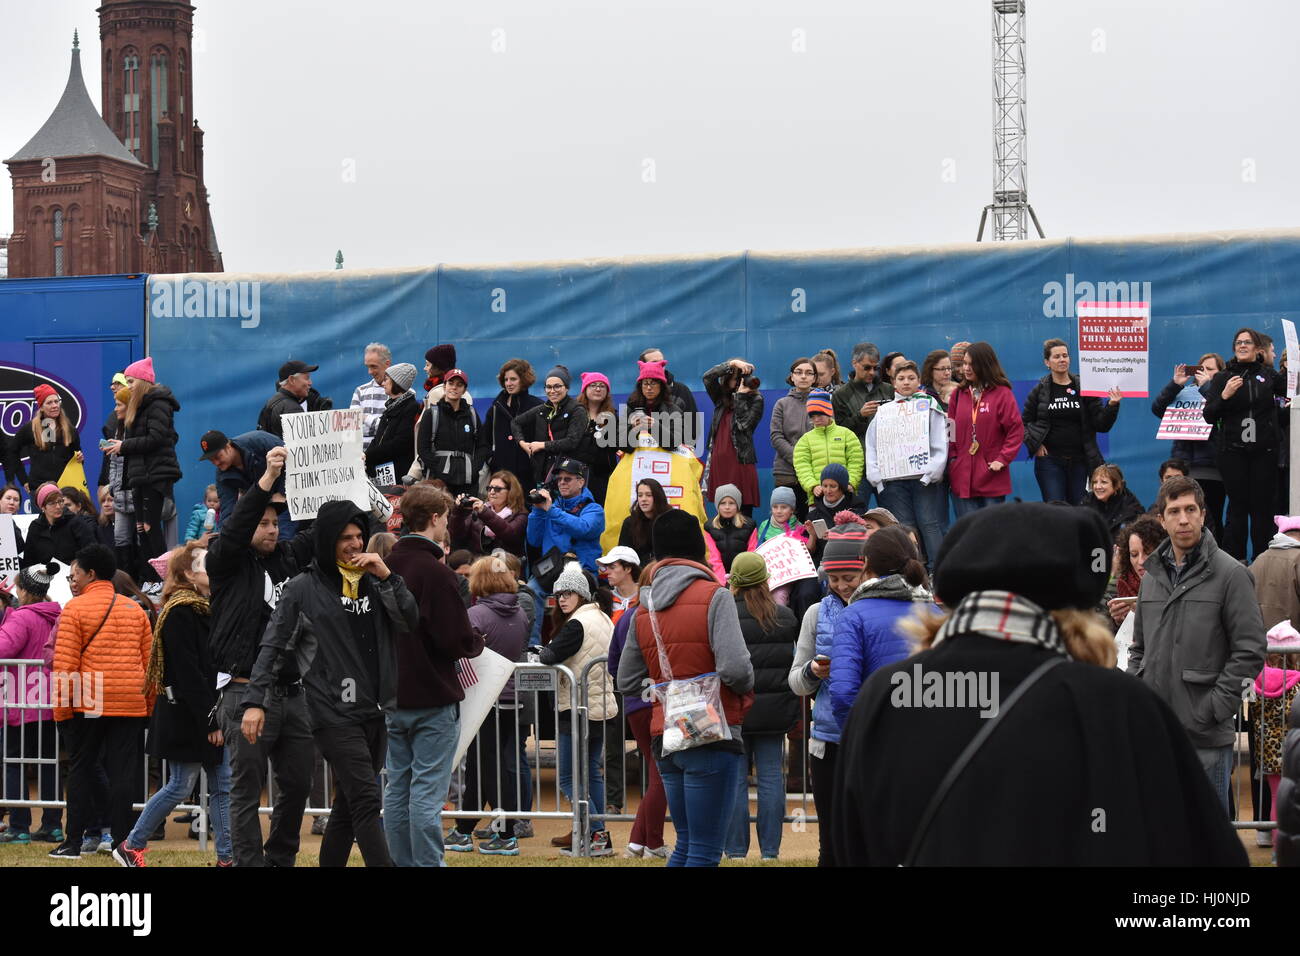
(1061, 426)
(987, 432)
(907, 454)
(393, 441)
(1240, 401)
(1188, 385)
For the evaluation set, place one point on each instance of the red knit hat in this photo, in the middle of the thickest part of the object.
(42, 392)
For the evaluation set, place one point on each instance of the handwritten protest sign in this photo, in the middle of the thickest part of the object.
(903, 439)
(1113, 339)
(324, 461)
(8, 550)
(1292, 357)
(787, 560)
(386, 474)
(1182, 420)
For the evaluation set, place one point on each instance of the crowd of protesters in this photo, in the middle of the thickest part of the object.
(253, 641)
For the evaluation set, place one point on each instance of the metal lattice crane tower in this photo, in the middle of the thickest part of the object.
(1010, 206)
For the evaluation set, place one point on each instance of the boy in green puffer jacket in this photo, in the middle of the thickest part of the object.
(826, 444)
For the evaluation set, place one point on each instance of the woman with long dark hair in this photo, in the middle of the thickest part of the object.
(148, 451)
(652, 395)
(601, 456)
(987, 432)
(737, 410)
(1241, 402)
(516, 377)
(501, 521)
(937, 378)
(770, 632)
(1201, 456)
(651, 502)
(48, 441)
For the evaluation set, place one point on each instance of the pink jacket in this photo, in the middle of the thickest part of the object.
(1000, 431)
(23, 636)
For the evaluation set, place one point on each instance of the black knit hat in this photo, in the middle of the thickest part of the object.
(441, 357)
(677, 534)
(1055, 557)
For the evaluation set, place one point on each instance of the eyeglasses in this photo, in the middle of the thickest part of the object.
(563, 478)
(495, 488)
(868, 367)
(553, 388)
(803, 371)
(1239, 344)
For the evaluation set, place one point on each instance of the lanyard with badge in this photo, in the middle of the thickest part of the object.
(974, 417)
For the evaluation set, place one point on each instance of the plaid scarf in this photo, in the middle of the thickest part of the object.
(1003, 616)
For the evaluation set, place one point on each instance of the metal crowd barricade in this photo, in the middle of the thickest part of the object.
(1261, 796)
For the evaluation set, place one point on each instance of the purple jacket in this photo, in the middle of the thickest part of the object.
(616, 643)
(504, 626)
(23, 634)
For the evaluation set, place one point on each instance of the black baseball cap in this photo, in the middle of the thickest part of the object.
(294, 367)
(572, 466)
(211, 443)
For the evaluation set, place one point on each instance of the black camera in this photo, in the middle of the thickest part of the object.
(535, 497)
(464, 501)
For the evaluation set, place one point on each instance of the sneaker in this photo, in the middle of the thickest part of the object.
(601, 844)
(458, 842)
(52, 835)
(633, 854)
(487, 833)
(105, 842)
(500, 846)
(225, 864)
(662, 852)
(564, 842)
(90, 843)
(133, 859)
(318, 826)
(524, 829)
(16, 836)
(66, 851)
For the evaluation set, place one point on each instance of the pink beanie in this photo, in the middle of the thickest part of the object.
(589, 377)
(142, 369)
(44, 491)
(1287, 523)
(653, 370)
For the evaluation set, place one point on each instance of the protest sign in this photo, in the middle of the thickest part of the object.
(787, 560)
(1113, 340)
(903, 438)
(1182, 420)
(482, 678)
(1292, 357)
(324, 461)
(677, 471)
(8, 550)
(386, 474)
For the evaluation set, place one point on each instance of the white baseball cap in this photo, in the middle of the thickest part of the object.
(621, 553)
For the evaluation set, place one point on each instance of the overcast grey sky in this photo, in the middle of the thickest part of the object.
(410, 132)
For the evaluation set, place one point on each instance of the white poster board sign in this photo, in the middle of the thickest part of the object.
(903, 438)
(386, 474)
(482, 678)
(1292, 357)
(1113, 340)
(324, 461)
(8, 550)
(658, 465)
(787, 560)
(1182, 420)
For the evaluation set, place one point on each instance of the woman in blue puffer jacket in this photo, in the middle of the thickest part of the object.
(867, 636)
(845, 567)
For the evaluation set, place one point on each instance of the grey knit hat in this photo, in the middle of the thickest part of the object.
(572, 579)
(403, 375)
(727, 491)
(782, 495)
(561, 373)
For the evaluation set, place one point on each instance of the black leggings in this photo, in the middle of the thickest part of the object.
(148, 513)
(1250, 479)
(823, 781)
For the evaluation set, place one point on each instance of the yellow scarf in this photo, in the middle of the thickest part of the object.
(351, 575)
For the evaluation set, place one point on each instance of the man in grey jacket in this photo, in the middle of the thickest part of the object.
(1198, 635)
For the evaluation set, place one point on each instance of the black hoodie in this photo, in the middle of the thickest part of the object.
(343, 647)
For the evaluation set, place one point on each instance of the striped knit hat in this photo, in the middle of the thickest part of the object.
(819, 402)
(843, 551)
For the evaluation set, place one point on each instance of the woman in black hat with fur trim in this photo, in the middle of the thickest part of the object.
(1089, 768)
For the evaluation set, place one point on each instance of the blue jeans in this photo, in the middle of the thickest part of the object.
(535, 586)
(1217, 762)
(421, 745)
(964, 506)
(595, 752)
(1061, 479)
(701, 786)
(177, 789)
(924, 507)
(766, 750)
